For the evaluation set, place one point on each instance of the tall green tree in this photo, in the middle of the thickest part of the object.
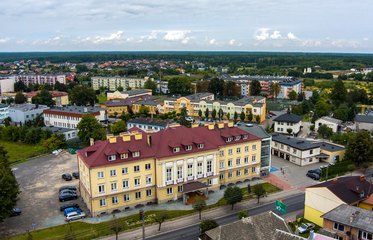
(233, 195)
(250, 116)
(9, 188)
(220, 113)
(213, 113)
(20, 98)
(255, 88)
(342, 112)
(82, 95)
(292, 95)
(150, 84)
(259, 191)
(235, 116)
(19, 86)
(242, 116)
(118, 127)
(200, 113)
(44, 98)
(179, 85)
(207, 113)
(216, 86)
(231, 89)
(360, 148)
(198, 205)
(88, 128)
(120, 89)
(322, 108)
(159, 218)
(275, 89)
(339, 93)
(183, 118)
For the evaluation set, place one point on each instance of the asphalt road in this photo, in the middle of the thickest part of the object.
(293, 204)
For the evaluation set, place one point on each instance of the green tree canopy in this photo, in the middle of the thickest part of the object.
(199, 204)
(235, 116)
(9, 188)
(216, 86)
(220, 113)
(213, 113)
(233, 195)
(360, 148)
(242, 116)
(20, 98)
(322, 108)
(54, 142)
(342, 112)
(208, 224)
(160, 217)
(150, 84)
(292, 95)
(255, 88)
(179, 85)
(325, 131)
(207, 113)
(259, 191)
(275, 89)
(118, 127)
(339, 93)
(200, 113)
(183, 118)
(120, 89)
(82, 95)
(43, 98)
(88, 128)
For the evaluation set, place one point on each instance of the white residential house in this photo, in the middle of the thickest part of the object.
(333, 123)
(364, 122)
(66, 132)
(21, 113)
(70, 116)
(288, 121)
(295, 150)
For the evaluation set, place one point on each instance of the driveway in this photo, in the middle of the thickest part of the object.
(294, 174)
(39, 180)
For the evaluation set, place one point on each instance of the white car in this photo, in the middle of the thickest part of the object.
(56, 152)
(74, 216)
(306, 227)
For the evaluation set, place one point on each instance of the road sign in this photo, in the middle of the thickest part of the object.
(280, 206)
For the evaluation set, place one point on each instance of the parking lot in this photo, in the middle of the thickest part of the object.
(39, 180)
(294, 174)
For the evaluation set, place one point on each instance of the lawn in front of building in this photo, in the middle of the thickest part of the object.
(21, 152)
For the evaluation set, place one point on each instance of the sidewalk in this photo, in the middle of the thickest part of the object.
(193, 219)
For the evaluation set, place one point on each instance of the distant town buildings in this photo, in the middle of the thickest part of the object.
(67, 133)
(60, 98)
(70, 116)
(112, 83)
(4, 111)
(129, 94)
(148, 124)
(364, 122)
(21, 113)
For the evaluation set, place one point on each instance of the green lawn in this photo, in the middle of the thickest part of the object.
(20, 152)
(84, 231)
(101, 98)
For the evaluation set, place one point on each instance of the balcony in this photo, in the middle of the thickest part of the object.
(209, 174)
(190, 178)
(200, 176)
(169, 182)
(180, 180)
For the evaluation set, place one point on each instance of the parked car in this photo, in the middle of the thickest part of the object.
(16, 211)
(67, 191)
(67, 177)
(68, 188)
(306, 227)
(68, 205)
(71, 209)
(314, 176)
(317, 171)
(67, 197)
(75, 175)
(249, 124)
(74, 216)
(56, 152)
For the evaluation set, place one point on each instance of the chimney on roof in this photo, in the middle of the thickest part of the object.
(85, 109)
(220, 125)
(230, 124)
(362, 178)
(91, 141)
(194, 125)
(211, 126)
(149, 140)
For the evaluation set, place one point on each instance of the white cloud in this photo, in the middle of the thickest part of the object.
(366, 39)
(212, 41)
(153, 35)
(275, 35)
(4, 40)
(262, 34)
(232, 42)
(291, 36)
(112, 37)
(177, 35)
(311, 43)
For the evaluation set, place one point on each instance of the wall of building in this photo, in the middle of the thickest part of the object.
(282, 127)
(320, 122)
(7, 85)
(18, 116)
(334, 156)
(364, 126)
(294, 155)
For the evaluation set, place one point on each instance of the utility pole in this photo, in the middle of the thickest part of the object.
(142, 218)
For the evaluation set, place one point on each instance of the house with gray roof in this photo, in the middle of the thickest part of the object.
(261, 226)
(265, 157)
(333, 123)
(349, 222)
(288, 122)
(148, 124)
(364, 122)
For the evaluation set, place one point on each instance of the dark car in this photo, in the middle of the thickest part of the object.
(68, 188)
(68, 205)
(317, 171)
(67, 197)
(16, 212)
(75, 175)
(314, 176)
(67, 177)
(67, 191)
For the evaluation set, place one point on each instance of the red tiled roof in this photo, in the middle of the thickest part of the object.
(53, 93)
(162, 144)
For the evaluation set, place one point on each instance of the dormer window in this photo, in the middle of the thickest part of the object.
(124, 156)
(111, 157)
(136, 154)
(188, 147)
(176, 149)
(237, 138)
(201, 145)
(244, 137)
(229, 139)
(362, 194)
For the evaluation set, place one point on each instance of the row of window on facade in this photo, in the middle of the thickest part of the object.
(238, 173)
(62, 124)
(238, 150)
(125, 184)
(288, 148)
(283, 123)
(61, 117)
(138, 196)
(113, 172)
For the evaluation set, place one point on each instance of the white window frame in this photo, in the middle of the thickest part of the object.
(100, 175)
(169, 191)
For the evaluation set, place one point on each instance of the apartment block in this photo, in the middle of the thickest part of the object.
(112, 83)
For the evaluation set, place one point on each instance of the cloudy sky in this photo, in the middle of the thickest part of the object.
(238, 25)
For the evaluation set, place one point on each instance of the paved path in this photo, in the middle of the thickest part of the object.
(192, 220)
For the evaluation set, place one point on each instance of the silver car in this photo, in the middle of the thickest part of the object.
(74, 216)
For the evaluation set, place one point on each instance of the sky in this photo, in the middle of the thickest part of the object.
(187, 25)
